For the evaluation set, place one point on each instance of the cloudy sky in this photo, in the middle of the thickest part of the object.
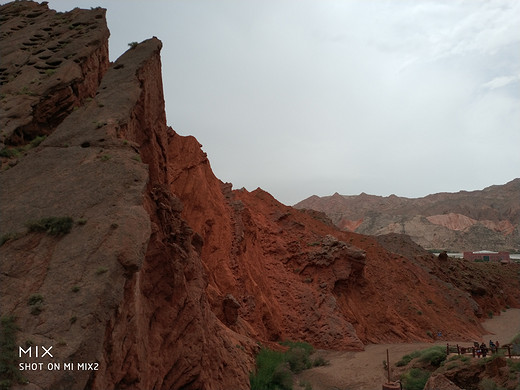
(316, 97)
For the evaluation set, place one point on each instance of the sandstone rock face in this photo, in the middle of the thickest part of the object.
(440, 382)
(495, 373)
(296, 277)
(258, 250)
(487, 219)
(125, 288)
(49, 64)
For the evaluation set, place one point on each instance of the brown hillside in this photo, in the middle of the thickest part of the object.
(486, 219)
(167, 278)
(282, 266)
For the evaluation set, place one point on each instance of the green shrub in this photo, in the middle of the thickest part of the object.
(37, 140)
(9, 152)
(451, 365)
(7, 237)
(319, 361)
(55, 226)
(266, 363)
(309, 349)
(407, 358)
(514, 366)
(298, 359)
(101, 270)
(133, 45)
(35, 299)
(488, 384)
(414, 379)
(282, 377)
(274, 369)
(433, 356)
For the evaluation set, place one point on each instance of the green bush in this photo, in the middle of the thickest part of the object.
(10, 237)
(37, 140)
(309, 349)
(8, 153)
(319, 361)
(274, 369)
(415, 379)
(101, 270)
(488, 384)
(267, 361)
(298, 359)
(433, 356)
(282, 377)
(17, 151)
(407, 358)
(55, 226)
(514, 366)
(35, 299)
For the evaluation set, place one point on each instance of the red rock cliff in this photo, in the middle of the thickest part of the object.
(125, 288)
(296, 277)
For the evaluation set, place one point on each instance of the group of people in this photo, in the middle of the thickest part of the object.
(483, 350)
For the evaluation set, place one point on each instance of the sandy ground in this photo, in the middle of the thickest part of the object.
(364, 370)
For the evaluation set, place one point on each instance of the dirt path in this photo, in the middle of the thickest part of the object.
(504, 327)
(364, 370)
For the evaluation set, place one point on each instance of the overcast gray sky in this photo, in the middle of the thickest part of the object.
(316, 97)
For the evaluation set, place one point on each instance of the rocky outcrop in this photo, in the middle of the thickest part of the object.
(125, 288)
(50, 63)
(263, 254)
(440, 382)
(297, 277)
(460, 221)
(474, 374)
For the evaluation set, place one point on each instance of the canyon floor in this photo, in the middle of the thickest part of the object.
(364, 370)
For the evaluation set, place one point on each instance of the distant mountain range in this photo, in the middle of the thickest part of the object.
(466, 220)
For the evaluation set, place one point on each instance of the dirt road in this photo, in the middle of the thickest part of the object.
(364, 370)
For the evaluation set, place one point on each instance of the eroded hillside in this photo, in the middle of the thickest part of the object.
(463, 221)
(160, 274)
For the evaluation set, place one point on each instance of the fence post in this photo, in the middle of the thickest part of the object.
(447, 349)
(473, 351)
(458, 350)
(509, 351)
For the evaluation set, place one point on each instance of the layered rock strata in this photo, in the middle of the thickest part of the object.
(463, 221)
